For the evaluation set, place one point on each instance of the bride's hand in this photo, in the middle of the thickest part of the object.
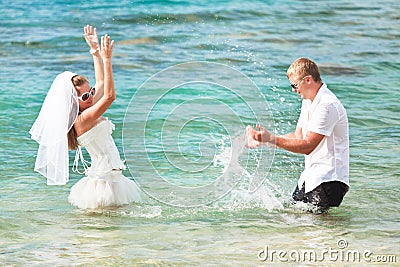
(106, 47)
(91, 37)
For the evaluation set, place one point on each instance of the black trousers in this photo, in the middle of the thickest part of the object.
(324, 196)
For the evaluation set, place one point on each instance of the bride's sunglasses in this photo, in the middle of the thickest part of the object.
(86, 95)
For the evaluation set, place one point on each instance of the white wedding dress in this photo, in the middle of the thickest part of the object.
(104, 184)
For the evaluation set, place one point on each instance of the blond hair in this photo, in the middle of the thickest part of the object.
(302, 67)
(77, 80)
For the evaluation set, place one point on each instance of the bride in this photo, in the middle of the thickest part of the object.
(71, 117)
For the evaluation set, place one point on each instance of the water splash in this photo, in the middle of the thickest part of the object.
(242, 196)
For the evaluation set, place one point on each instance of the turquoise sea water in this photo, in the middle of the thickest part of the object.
(190, 133)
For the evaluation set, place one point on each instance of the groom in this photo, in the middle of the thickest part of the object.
(321, 134)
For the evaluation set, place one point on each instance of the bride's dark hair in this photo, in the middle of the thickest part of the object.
(77, 80)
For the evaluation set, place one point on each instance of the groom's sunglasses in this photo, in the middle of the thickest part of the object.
(86, 95)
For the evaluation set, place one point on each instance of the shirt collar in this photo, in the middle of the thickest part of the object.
(321, 91)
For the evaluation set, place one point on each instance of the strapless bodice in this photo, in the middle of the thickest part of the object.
(102, 149)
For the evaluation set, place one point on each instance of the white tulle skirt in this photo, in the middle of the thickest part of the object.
(98, 191)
